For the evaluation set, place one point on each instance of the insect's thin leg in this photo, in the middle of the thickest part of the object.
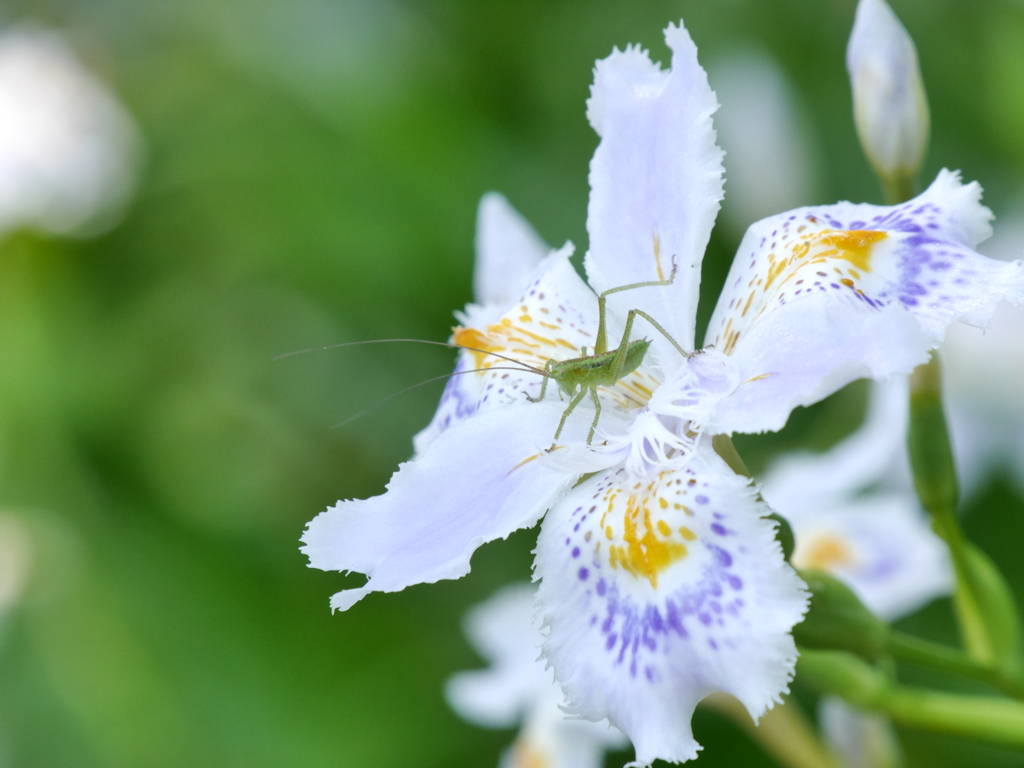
(572, 406)
(649, 284)
(661, 330)
(597, 415)
(601, 345)
(619, 361)
(544, 386)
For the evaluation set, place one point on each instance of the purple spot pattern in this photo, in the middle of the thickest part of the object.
(922, 265)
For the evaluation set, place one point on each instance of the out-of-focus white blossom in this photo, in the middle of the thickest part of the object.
(854, 513)
(518, 689)
(769, 151)
(15, 560)
(67, 147)
(889, 102)
(862, 739)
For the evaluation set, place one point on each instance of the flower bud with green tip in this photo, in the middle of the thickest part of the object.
(889, 102)
(837, 619)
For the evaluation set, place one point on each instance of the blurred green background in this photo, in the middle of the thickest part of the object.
(311, 175)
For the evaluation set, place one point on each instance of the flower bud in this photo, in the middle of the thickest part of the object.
(837, 620)
(889, 102)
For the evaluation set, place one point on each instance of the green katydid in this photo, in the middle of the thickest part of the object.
(604, 368)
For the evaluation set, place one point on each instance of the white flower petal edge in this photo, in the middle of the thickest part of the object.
(509, 254)
(518, 688)
(656, 182)
(821, 296)
(477, 482)
(508, 251)
(656, 593)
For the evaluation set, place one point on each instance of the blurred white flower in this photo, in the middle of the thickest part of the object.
(67, 147)
(889, 102)
(863, 739)
(15, 560)
(855, 515)
(769, 149)
(983, 374)
(517, 688)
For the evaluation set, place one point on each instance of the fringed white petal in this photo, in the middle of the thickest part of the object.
(656, 182)
(659, 591)
(820, 296)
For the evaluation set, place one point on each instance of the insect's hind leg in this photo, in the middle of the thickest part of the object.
(657, 327)
(597, 414)
(576, 399)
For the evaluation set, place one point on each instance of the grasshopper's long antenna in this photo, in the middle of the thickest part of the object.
(417, 341)
(431, 381)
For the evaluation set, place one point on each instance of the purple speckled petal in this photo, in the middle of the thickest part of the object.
(821, 296)
(657, 592)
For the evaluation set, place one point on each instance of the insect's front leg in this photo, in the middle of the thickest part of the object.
(548, 367)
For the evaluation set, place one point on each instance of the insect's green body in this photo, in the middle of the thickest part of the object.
(597, 370)
(580, 375)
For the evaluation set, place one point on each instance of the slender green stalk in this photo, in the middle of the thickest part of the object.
(986, 718)
(988, 619)
(925, 653)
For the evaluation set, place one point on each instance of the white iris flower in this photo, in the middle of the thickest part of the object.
(661, 579)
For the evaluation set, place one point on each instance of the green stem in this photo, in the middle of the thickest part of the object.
(987, 718)
(898, 188)
(953, 661)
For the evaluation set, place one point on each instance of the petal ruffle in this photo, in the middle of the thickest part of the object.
(656, 181)
(475, 483)
(657, 592)
(818, 297)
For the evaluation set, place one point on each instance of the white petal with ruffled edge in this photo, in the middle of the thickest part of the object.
(508, 251)
(656, 182)
(477, 482)
(821, 296)
(657, 592)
